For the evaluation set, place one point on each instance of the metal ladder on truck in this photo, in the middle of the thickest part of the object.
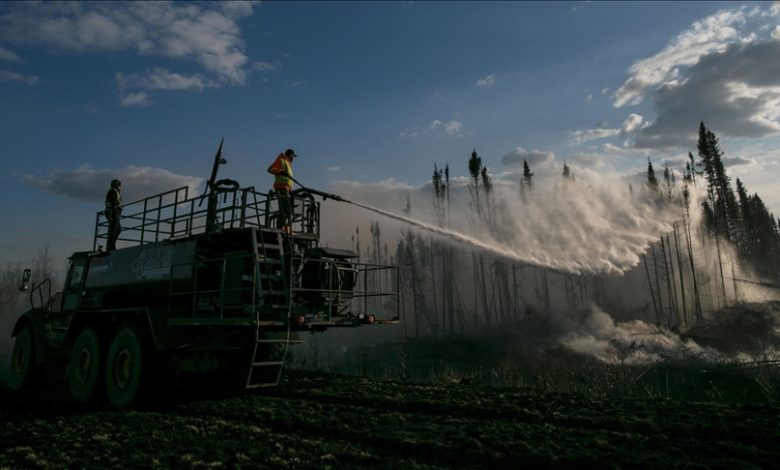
(273, 324)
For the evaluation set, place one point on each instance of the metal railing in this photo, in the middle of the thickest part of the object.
(173, 214)
(352, 289)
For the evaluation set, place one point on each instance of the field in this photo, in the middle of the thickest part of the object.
(327, 421)
(497, 402)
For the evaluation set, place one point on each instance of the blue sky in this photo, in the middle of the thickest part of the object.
(372, 93)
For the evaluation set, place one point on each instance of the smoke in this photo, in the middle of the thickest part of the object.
(632, 343)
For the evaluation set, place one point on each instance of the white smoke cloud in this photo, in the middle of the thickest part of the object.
(632, 343)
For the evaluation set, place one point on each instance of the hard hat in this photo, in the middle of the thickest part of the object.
(290, 153)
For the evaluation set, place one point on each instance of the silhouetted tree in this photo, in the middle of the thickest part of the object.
(652, 181)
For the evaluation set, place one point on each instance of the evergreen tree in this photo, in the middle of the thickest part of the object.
(526, 181)
(723, 204)
(652, 181)
(669, 181)
(439, 193)
(567, 175)
(747, 232)
(528, 177)
(475, 166)
(487, 187)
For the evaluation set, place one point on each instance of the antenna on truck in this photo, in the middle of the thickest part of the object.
(213, 187)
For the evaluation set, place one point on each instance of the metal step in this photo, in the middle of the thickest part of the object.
(267, 363)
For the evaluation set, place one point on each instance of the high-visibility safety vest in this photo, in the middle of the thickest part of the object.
(278, 167)
(113, 199)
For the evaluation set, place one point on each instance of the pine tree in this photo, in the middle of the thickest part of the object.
(526, 181)
(439, 194)
(652, 181)
(567, 175)
(723, 204)
(475, 167)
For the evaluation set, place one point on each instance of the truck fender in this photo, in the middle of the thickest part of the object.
(36, 319)
(106, 321)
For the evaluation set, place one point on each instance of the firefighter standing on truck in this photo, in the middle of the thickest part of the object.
(113, 213)
(281, 168)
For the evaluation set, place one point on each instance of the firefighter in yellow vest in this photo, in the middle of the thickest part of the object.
(281, 168)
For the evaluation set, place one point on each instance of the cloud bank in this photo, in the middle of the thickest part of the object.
(723, 70)
(89, 184)
(205, 33)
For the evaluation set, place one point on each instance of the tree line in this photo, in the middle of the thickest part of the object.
(682, 281)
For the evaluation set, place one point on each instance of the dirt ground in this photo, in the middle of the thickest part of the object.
(330, 421)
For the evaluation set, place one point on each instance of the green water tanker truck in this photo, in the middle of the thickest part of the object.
(198, 285)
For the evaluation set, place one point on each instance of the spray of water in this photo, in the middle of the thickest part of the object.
(450, 234)
(600, 227)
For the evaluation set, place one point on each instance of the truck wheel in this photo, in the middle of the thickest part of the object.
(84, 366)
(123, 367)
(22, 360)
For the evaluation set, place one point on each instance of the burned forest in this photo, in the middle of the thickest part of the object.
(566, 319)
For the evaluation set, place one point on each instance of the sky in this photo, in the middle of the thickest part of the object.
(371, 94)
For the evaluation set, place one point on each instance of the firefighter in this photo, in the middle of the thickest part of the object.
(281, 168)
(113, 213)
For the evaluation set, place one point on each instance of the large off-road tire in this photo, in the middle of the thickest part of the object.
(84, 366)
(124, 365)
(22, 371)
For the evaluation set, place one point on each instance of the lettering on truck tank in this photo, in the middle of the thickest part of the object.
(153, 262)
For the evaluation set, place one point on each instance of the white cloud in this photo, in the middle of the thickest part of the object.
(590, 98)
(135, 99)
(723, 70)
(334, 169)
(89, 184)
(8, 76)
(736, 93)
(486, 82)
(264, 66)
(8, 55)
(578, 137)
(632, 123)
(161, 79)
(533, 157)
(390, 184)
(738, 161)
(706, 36)
(451, 128)
(91, 109)
(205, 33)
(776, 33)
(410, 134)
